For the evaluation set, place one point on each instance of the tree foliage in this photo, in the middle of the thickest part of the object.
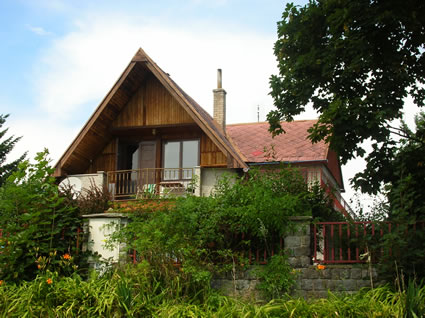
(403, 176)
(405, 184)
(6, 147)
(356, 62)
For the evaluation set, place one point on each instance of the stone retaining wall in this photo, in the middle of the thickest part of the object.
(243, 285)
(312, 282)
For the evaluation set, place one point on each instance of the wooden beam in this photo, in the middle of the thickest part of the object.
(129, 128)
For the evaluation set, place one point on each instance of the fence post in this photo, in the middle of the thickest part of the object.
(100, 227)
(297, 242)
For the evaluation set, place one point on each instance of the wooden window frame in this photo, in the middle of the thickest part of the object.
(180, 141)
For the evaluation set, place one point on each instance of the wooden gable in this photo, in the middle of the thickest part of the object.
(144, 98)
(152, 105)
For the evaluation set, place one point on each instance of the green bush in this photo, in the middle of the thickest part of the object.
(277, 277)
(190, 241)
(39, 222)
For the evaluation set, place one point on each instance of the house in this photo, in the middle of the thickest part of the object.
(148, 137)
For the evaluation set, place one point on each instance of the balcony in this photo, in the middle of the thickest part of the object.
(151, 183)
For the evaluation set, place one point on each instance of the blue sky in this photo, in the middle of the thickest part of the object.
(59, 58)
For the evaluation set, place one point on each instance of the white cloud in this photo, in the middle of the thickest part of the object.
(80, 67)
(40, 132)
(75, 72)
(39, 30)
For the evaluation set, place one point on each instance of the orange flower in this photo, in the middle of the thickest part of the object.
(321, 267)
(67, 256)
(49, 281)
(1, 282)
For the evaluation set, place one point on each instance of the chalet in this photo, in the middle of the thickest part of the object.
(149, 138)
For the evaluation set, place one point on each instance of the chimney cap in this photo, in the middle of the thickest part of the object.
(219, 80)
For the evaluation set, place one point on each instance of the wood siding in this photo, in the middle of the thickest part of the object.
(152, 105)
(106, 160)
(211, 155)
(334, 167)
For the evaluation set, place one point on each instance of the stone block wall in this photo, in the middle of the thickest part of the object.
(313, 282)
(242, 284)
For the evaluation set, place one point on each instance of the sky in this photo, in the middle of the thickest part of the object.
(59, 58)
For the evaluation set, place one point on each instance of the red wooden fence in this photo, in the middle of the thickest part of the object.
(345, 242)
(253, 255)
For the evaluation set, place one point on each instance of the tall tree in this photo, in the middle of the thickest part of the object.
(6, 147)
(405, 176)
(355, 62)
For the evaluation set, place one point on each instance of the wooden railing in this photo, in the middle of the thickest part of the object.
(356, 242)
(149, 183)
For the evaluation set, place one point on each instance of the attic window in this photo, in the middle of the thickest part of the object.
(180, 154)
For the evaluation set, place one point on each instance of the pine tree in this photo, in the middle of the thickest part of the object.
(6, 147)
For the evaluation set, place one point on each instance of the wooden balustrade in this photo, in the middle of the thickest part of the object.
(149, 183)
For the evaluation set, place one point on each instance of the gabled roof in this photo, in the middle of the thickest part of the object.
(96, 133)
(293, 146)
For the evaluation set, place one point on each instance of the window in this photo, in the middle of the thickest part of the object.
(179, 155)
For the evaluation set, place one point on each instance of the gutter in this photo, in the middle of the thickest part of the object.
(279, 162)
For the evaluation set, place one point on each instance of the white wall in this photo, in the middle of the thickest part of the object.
(210, 176)
(100, 227)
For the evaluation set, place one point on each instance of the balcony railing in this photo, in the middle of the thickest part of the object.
(149, 183)
(323, 178)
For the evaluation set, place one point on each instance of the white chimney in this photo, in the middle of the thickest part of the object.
(220, 103)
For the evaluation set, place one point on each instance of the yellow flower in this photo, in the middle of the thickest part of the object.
(67, 256)
(321, 267)
(49, 281)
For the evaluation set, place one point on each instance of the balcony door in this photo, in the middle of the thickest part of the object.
(147, 162)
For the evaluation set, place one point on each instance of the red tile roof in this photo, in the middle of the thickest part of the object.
(251, 140)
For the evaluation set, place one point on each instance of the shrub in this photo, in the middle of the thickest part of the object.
(39, 223)
(198, 237)
(277, 277)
